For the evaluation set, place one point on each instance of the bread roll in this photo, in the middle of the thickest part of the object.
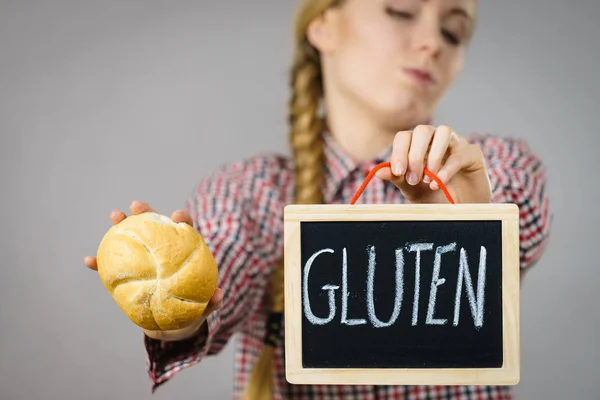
(160, 273)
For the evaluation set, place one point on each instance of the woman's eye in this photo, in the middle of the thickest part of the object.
(398, 13)
(450, 37)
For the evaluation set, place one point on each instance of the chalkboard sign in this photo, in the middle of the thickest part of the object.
(402, 294)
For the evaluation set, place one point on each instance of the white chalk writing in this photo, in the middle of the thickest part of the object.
(435, 282)
(305, 299)
(371, 288)
(464, 274)
(475, 296)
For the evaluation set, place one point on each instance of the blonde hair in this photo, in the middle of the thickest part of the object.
(306, 126)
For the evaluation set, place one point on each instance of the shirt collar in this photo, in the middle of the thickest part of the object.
(340, 166)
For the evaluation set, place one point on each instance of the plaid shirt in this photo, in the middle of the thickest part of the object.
(239, 212)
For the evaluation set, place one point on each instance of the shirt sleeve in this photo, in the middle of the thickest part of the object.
(222, 210)
(518, 175)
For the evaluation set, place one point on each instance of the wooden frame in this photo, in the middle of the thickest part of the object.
(508, 214)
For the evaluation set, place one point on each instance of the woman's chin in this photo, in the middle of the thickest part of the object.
(404, 115)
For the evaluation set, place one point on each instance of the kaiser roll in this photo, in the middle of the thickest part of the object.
(160, 273)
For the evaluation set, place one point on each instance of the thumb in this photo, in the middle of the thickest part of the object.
(215, 302)
(385, 173)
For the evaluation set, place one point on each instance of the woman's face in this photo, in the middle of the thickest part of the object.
(394, 58)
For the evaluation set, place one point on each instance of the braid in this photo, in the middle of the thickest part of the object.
(306, 127)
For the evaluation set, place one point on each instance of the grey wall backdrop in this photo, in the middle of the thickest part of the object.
(103, 102)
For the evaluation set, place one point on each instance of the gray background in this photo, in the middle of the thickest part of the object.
(103, 102)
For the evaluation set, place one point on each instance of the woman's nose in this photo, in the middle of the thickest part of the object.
(427, 37)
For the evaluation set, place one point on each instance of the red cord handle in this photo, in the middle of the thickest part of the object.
(387, 164)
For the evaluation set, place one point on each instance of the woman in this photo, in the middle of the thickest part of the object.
(378, 68)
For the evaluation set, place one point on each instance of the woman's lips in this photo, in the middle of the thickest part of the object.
(420, 76)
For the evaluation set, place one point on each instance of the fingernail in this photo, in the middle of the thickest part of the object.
(398, 169)
(426, 179)
(412, 178)
(434, 185)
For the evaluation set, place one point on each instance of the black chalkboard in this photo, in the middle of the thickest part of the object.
(456, 321)
(435, 329)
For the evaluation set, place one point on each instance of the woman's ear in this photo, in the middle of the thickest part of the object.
(321, 33)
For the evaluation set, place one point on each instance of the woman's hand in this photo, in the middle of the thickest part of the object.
(459, 164)
(215, 302)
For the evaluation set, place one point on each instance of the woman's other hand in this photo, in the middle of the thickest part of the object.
(138, 207)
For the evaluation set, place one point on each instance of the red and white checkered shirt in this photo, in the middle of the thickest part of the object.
(239, 212)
